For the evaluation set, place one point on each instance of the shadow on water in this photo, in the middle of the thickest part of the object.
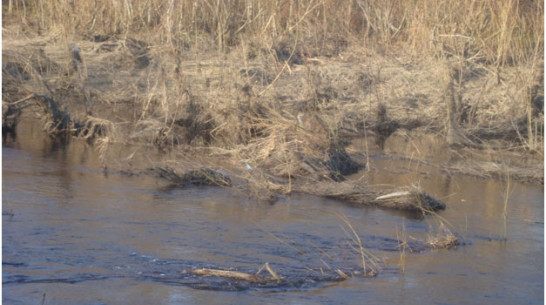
(82, 237)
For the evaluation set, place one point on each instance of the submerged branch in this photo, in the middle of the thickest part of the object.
(235, 275)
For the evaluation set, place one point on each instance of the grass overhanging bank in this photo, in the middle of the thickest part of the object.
(264, 96)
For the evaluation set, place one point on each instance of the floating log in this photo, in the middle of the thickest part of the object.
(235, 275)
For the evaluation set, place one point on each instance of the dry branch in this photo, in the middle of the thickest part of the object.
(235, 275)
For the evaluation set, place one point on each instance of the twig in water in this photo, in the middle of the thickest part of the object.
(507, 194)
(402, 245)
(364, 254)
(274, 274)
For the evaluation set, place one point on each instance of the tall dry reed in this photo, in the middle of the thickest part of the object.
(499, 32)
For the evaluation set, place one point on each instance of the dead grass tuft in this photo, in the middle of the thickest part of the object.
(442, 239)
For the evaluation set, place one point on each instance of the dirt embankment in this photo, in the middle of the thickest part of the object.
(278, 119)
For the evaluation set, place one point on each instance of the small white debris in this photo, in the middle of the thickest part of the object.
(393, 195)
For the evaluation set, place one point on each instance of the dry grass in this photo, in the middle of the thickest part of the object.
(370, 263)
(440, 235)
(506, 198)
(442, 239)
(501, 33)
(275, 88)
(263, 41)
(403, 246)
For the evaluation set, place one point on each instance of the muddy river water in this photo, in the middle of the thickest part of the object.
(75, 235)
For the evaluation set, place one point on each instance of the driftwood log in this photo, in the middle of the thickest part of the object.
(237, 275)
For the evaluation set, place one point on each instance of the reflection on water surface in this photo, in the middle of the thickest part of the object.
(84, 237)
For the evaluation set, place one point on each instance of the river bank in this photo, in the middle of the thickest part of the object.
(281, 113)
(287, 121)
